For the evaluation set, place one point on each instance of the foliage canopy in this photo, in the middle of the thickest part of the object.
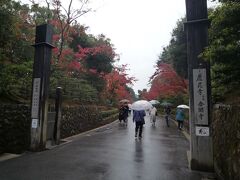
(223, 51)
(82, 63)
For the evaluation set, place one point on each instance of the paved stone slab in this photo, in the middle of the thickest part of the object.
(109, 153)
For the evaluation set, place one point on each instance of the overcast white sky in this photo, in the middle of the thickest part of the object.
(139, 29)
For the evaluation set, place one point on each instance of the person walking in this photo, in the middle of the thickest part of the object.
(123, 113)
(138, 118)
(167, 114)
(180, 118)
(153, 114)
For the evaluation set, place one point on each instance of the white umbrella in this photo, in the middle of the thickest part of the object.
(154, 102)
(183, 106)
(141, 105)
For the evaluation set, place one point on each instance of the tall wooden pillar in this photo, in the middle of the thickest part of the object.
(40, 85)
(199, 86)
(58, 110)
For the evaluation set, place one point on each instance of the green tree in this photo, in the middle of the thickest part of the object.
(223, 51)
(15, 32)
(78, 90)
(132, 93)
(15, 53)
(6, 28)
(81, 38)
(176, 52)
(16, 82)
(224, 1)
(80, 60)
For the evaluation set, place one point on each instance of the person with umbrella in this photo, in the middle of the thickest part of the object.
(123, 113)
(138, 118)
(180, 117)
(139, 108)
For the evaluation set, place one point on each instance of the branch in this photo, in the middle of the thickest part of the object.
(69, 12)
(48, 4)
(32, 1)
(77, 16)
(65, 10)
(48, 7)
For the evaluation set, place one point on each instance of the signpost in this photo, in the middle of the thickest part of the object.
(41, 71)
(201, 150)
(202, 131)
(200, 96)
(36, 97)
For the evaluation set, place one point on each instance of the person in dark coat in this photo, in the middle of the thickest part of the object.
(138, 118)
(123, 114)
(167, 114)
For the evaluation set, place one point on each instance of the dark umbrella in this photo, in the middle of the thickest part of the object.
(166, 104)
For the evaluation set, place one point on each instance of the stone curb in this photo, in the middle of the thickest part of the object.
(8, 156)
(71, 138)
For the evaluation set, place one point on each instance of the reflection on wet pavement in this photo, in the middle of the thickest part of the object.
(110, 153)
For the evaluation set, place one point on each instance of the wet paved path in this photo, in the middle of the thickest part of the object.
(109, 153)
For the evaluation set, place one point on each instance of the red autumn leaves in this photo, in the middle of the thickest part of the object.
(117, 81)
(96, 60)
(166, 83)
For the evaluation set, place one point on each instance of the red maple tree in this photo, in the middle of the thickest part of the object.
(165, 82)
(116, 83)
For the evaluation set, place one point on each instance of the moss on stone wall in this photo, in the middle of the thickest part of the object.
(226, 138)
(14, 128)
(15, 121)
(81, 118)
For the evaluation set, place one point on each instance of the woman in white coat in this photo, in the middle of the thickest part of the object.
(153, 114)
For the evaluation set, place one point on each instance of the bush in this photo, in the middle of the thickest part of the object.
(108, 113)
(15, 128)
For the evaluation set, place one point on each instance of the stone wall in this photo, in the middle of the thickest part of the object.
(14, 128)
(79, 119)
(15, 121)
(186, 125)
(226, 138)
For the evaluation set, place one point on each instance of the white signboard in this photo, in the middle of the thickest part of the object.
(202, 131)
(200, 96)
(34, 123)
(35, 97)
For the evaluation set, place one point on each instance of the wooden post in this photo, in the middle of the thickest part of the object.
(58, 109)
(41, 71)
(199, 86)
